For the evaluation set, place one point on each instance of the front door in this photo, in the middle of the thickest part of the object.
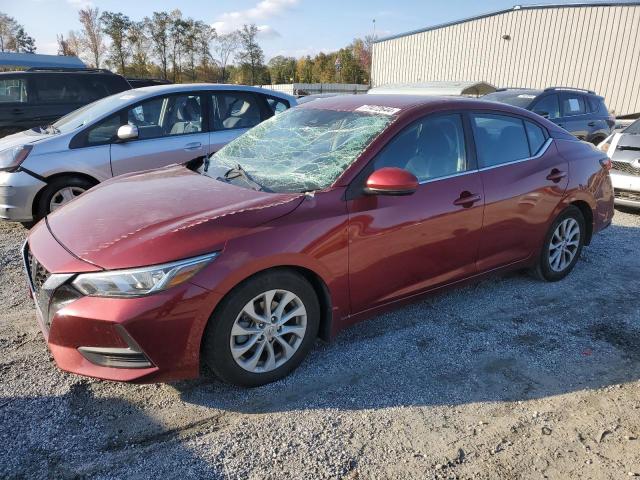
(402, 245)
(524, 179)
(171, 129)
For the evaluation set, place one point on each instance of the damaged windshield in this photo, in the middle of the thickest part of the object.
(298, 150)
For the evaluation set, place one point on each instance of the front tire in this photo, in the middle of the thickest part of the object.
(562, 246)
(263, 329)
(58, 193)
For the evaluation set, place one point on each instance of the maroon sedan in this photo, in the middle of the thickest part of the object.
(316, 219)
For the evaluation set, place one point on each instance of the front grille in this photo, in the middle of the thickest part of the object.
(627, 195)
(626, 168)
(37, 276)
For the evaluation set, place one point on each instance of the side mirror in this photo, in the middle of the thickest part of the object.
(127, 132)
(543, 114)
(391, 181)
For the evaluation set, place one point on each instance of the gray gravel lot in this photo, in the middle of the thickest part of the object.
(508, 378)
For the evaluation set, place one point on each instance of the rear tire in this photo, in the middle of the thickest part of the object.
(57, 191)
(248, 343)
(562, 246)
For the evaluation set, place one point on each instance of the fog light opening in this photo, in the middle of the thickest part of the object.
(114, 357)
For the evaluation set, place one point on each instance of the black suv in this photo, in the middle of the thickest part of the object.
(37, 97)
(580, 112)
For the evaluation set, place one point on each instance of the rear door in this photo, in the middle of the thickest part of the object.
(524, 179)
(232, 114)
(574, 117)
(172, 129)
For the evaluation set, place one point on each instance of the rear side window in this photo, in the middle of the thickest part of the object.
(548, 107)
(536, 137)
(430, 148)
(499, 139)
(277, 105)
(572, 105)
(232, 110)
(57, 89)
(13, 90)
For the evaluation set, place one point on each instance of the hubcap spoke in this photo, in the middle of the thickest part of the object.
(268, 331)
(564, 244)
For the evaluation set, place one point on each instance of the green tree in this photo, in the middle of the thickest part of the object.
(24, 43)
(117, 26)
(158, 27)
(251, 56)
(140, 45)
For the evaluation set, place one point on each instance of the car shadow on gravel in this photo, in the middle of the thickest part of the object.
(506, 338)
(81, 435)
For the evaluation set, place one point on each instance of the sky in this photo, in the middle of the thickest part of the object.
(287, 27)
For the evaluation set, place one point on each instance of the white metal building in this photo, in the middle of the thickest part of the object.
(593, 46)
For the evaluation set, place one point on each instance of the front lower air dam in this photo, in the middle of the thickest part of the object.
(130, 357)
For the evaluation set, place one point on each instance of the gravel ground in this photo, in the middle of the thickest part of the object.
(508, 378)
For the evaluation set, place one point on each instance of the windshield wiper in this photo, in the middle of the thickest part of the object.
(239, 172)
(51, 129)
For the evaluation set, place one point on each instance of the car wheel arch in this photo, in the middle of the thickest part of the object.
(51, 178)
(586, 207)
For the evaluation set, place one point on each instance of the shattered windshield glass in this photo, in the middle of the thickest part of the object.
(300, 149)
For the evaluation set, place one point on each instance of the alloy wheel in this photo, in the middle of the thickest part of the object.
(564, 244)
(268, 331)
(64, 196)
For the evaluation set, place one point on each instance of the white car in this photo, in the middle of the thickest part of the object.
(624, 150)
(43, 168)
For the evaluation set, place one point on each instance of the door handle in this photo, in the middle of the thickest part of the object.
(17, 111)
(467, 199)
(556, 175)
(193, 146)
(591, 124)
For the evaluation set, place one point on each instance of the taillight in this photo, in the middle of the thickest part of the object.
(606, 163)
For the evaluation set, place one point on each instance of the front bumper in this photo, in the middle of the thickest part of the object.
(110, 338)
(626, 188)
(17, 192)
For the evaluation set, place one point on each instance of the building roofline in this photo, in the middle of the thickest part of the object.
(515, 8)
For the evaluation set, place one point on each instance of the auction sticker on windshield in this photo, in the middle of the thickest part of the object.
(379, 109)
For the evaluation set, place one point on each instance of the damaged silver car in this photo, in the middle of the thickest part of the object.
(624, 150)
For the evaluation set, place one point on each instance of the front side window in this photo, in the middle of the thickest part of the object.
(232, 110)
(548, 107)
(499, 139)
(167, 116)
(300, 149)
(430, 148)
(105, 131)
(13, 90)
(572, 105)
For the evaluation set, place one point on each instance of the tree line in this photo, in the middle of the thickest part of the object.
(171, 46)
(13, 37)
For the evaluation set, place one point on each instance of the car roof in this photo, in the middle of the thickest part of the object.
(144, 92)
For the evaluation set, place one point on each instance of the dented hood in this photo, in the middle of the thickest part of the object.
(160, 216)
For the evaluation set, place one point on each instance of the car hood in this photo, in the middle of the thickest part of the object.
(624, 147)
(20, 138)
(160, 216)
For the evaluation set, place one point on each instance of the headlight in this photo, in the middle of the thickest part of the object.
(11, 158)
(137, 282)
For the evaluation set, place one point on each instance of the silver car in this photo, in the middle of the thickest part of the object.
(624, 150)
(43, 168)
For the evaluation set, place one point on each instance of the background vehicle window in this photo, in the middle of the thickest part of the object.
(430, 148)
(499, 139)
(166, 116)
(277, 105)
(548, 107)
(57, 89)
(94, 88)
(235, 110)
(572, 105)
(105, 131)
(536, 137)
(13, 90)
